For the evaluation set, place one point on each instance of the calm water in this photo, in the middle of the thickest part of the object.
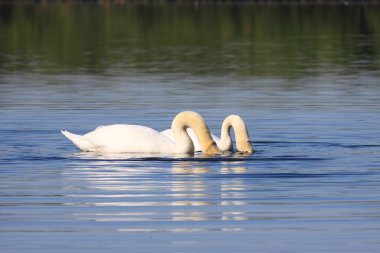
(305, 79)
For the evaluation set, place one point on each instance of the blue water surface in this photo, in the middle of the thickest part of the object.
(313, 184)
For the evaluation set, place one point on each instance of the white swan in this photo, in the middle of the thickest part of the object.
(141, 139)
(243, 143)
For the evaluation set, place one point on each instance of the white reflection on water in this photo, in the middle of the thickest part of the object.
(121, 190)
(229, 189)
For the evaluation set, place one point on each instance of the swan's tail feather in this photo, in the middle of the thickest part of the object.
(79, 141)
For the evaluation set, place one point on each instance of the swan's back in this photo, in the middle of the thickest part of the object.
(126, 138)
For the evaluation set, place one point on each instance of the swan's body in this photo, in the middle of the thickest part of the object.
(122, 138)
(142, 139)
(243, 143)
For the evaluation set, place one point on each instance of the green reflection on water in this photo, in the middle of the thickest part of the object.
(280, 40)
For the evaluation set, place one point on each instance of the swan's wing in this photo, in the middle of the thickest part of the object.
(197, 147)
(168, 133)
(130, 138)
(98, 127)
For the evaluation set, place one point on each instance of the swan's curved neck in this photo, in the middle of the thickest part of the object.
(241, 134)
(193, 120)
(225, 137)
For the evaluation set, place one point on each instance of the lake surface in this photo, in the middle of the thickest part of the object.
(306, 80)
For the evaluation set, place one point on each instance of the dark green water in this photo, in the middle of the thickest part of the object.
(247, 40)
(306, 79)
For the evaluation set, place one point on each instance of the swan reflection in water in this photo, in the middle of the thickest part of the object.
(134, 191)
(202, 186)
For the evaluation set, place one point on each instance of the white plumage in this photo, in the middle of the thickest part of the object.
(141, 139)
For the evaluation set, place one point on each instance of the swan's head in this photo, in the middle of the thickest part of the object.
(245, 147)
(213, 150)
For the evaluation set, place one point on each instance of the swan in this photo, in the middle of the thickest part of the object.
(243, 143)
(142, 139)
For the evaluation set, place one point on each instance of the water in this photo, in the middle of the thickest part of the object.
(304, 78)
